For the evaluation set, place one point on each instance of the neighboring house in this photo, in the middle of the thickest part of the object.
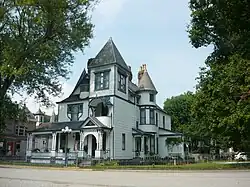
(13, 141)
(41, 117)
(110, 116)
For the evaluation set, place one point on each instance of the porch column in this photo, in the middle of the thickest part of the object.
(100, 141)
(29, 147)
(31, 136)
(99, 152)
(142, 147)
(53, 146)
(156, 145)
(80, 152)
(59, 142)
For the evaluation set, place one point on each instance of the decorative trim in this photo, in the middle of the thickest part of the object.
(102, 71)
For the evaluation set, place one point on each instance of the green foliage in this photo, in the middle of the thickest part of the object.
(221, 105)
(223, 23)
(179, 108)
(37, 41)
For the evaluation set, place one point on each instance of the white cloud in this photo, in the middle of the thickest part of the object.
(34, 105)
(107, 11)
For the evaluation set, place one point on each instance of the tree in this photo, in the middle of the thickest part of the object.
(180, 110)
(221, 105)
(37, 41)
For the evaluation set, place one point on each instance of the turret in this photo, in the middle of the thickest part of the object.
(146, 86)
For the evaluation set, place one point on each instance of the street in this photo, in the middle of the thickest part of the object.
(17, 177)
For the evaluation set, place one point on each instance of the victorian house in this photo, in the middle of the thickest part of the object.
(13, 139)
(106, 116)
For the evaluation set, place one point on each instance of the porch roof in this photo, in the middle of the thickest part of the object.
(74, 125)
(141, 132)
(166, 132)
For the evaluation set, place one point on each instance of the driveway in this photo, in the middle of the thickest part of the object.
(13, 177)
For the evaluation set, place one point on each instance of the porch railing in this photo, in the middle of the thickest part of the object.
(41, 155)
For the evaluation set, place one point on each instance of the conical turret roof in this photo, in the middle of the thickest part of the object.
(145, 82)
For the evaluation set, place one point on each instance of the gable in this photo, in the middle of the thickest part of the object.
(93, 122)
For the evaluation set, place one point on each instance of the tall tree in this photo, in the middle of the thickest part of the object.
(37, 41)
(179, 108)
(221, 105)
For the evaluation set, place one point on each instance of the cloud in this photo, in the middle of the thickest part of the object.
(107, 11)
(33, 105)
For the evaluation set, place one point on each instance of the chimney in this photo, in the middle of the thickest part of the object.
(140, 73)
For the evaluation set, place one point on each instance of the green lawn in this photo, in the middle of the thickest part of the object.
(198, 166)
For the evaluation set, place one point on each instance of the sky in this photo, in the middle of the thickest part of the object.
(145, 32)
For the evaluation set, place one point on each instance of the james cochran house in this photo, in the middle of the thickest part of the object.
(109, 117)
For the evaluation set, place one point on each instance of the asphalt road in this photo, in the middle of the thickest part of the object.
(12, 177)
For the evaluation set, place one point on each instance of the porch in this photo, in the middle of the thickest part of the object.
(84, 140)
(145, 144)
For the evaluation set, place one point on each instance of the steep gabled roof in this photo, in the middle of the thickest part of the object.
(83, 80)
(109, 54)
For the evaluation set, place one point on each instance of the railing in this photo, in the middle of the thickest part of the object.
(41, 155)
(72, 155)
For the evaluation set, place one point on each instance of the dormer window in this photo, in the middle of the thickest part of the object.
(75, 111)
(122, 83)
(84, 88)
(102, 80)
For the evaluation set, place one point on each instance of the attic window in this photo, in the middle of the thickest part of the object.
(84, 88)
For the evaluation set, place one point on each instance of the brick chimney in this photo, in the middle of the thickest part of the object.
(141, 72)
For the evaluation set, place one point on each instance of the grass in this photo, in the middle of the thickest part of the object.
(197, 166)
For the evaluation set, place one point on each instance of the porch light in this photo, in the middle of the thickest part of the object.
(67, 130)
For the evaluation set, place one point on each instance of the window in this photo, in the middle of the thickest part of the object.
(143, 116)
(137, 100)
(152, 116)
(151, 97)
(163, 121)
(123, 141)
(75, 111)
(21, 130)
(156, 119)
(137, 125)
(122, 83)
(102, 80)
